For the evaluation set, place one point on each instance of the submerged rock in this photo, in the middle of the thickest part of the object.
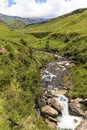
(75, 121)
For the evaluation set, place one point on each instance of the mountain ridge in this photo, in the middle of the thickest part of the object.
(12, 20)
(20, 22)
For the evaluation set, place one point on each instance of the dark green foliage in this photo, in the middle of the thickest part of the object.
(79, 77)
(47, 46)
(23, 42)
(40, 35)
(31, 51)
(20, 86)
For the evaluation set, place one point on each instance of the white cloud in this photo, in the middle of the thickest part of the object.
(52, 8)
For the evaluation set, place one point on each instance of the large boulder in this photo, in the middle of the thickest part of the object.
(55, 104)
(82, 125)
(75, 108)
(47, 110)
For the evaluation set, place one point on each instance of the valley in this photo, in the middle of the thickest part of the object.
(22, 58)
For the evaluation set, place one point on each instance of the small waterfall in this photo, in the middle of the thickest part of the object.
(66, 121)
(63, 101)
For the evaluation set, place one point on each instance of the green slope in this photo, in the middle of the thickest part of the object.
(19, 82)
(63, 23)
(66, 35)
(16, 22)
(20, 66)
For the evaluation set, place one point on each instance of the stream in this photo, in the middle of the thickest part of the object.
(52, 78)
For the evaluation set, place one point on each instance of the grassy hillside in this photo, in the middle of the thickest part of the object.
(15, 22)
(19, 83)
(20, 66)
(66, 35)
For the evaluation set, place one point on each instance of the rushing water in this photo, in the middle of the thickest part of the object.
(53, 79)
(66, 121)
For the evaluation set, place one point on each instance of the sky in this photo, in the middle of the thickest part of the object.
(11, 2)
(40, 8)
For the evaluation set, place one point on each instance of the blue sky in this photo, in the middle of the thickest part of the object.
(40, 8)
(40, 1)
(11, 2)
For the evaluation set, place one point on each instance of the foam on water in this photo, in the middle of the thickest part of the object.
(48, 76)
(66, 121)
(69, 122)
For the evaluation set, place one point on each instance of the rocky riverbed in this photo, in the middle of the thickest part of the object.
(57, 109)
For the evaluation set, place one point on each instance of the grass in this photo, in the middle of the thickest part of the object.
(66, 36)
(20, 86)
(20, 67)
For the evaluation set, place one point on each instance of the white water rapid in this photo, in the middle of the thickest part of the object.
(48, 76)
(66, 121)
